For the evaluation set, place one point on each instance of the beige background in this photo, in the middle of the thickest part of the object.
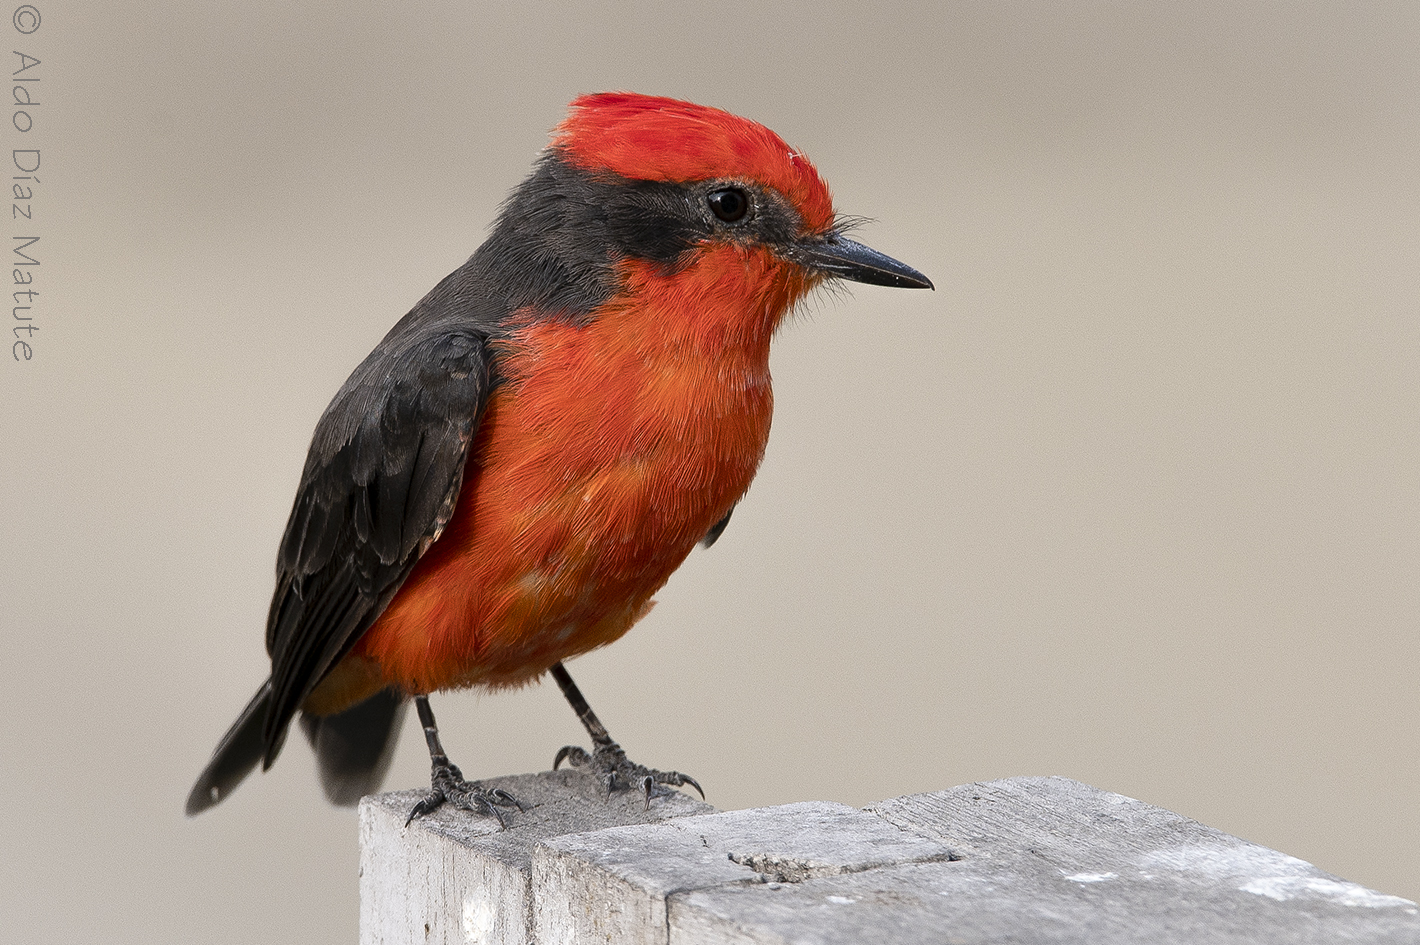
(1131, 498)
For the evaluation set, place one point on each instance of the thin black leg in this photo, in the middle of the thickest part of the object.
(594, 726)
(431, 732)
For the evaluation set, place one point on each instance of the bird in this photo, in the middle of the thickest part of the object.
(516, 469)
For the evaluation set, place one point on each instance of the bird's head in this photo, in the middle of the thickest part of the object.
(641, 187)
(741, 181)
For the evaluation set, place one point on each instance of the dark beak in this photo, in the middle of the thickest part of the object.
(846, 259)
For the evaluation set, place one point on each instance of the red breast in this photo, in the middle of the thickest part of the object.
(609, 450)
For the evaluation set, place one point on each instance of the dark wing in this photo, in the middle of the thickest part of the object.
(716, 530)
(380, 483)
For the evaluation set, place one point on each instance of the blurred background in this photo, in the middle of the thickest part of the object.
(1132, 497)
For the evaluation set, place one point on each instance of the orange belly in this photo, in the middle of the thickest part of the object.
(606, 453)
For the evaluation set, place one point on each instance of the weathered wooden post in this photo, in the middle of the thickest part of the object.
(1023, 860)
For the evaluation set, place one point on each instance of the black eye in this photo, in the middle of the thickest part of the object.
(730, 204)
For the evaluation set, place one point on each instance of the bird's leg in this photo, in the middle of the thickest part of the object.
(607, 758)
(447, 783)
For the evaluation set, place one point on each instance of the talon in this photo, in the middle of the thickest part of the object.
(449, 787)
(617, 772)
(423, 807)
(503, 799)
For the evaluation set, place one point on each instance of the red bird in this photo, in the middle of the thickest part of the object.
(521, 463)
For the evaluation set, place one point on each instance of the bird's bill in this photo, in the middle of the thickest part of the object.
(845, 259)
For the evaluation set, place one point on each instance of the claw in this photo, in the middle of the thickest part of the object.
(425, 806)
(687, 779)
(502, 798)
(574, 755)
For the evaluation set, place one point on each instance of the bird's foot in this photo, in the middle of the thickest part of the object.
(449, 787)
(619, 773)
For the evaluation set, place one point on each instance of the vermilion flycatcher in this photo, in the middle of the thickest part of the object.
(528, 454)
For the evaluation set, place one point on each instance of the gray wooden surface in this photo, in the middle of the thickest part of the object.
(452, 877)
(1027, 860)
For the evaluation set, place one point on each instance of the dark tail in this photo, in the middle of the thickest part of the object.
(356, 746)
(237, 753)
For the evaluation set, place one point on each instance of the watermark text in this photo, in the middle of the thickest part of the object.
(26, 99)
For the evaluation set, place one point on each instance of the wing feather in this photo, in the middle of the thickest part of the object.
(379, 485)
